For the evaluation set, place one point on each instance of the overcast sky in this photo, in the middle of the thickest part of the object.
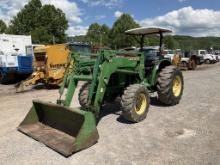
(184, 17)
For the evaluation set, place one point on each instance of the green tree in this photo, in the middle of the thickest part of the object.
(152, 40)
(171, 43)
(41, 36)
(3, 26)
(54, 21)
(98, 34)
(27, 19)
(40, 20)
(80, 38)
(93, 34)
(105, 30)
(117, 34)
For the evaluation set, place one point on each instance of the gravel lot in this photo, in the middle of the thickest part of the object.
(188, 133)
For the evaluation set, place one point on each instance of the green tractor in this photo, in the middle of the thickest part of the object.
(128, 74)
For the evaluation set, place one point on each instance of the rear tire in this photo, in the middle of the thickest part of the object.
(207, 61)
(135, 103)
(192, 64)
(184, 64)
(3, 78)
(170, 85)
(84, 94)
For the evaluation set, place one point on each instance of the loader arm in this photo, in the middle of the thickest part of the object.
(106, 64)
(112, 65)
(75, 74)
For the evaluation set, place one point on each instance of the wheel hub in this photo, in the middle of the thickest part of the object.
(141, 104)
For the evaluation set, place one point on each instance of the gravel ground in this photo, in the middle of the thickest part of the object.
(188, 133)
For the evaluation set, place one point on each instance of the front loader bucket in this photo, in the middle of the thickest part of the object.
(63, 129)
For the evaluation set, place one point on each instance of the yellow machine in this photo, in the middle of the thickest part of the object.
(49, 66)
(173, 55)
(176, 60)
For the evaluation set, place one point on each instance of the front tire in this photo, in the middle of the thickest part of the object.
(3, 78)
(83, 95)
(207, 61)
(192, 64)
(170, 85)
(184, 64)
(135, 103)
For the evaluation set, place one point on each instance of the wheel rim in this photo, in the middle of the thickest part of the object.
(141, 104)
(177, 86)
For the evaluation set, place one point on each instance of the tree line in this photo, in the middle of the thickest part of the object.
(115, 37)
(47, 24)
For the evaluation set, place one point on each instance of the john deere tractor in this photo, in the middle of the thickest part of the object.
(128, 74)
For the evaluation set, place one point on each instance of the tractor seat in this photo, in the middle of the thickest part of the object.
(150, 55)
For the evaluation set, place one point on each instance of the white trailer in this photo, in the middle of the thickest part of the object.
(13, 52)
